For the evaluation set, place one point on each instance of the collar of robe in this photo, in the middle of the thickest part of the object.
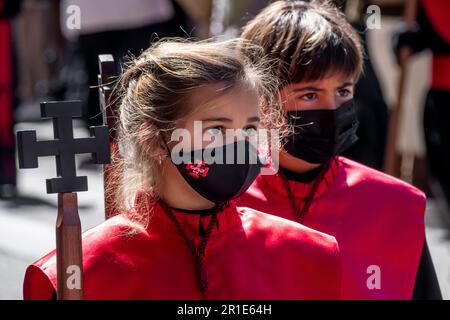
(301, 189)
(192, 224)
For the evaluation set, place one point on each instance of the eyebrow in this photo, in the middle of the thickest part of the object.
(219, 119)
(313, 88)
(308, 88)
(254, 119)
(223, 119)
(346, 84)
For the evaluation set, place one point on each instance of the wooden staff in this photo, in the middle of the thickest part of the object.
(69, 258)
(68, 248)
(108, 105)
(392, 158)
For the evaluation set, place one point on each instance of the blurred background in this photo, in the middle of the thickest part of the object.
(49, 48)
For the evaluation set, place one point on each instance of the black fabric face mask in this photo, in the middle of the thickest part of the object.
(318, 135)
(222, 180)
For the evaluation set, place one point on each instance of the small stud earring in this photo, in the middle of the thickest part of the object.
(161, 158)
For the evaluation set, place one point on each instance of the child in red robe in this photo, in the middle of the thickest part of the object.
(378, 220)
(184, 238)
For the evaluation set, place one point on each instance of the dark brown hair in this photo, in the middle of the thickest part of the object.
(309, 40)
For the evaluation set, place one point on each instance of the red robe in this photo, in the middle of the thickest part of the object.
(377, 220)
(437, 12)
(250, 255)
(6, 88)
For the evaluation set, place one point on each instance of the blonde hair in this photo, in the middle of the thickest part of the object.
(154, 92)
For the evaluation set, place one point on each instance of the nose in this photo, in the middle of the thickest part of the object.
(331, 102)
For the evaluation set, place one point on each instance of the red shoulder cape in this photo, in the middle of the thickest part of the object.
(438, 11)
(250, 255)
(377, 220)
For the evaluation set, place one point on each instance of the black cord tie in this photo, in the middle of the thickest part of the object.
(301, 212)
(197, 252)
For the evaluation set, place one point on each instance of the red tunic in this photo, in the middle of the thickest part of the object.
(377, 220)
(437, 12)
(250, 255)
(6, 89)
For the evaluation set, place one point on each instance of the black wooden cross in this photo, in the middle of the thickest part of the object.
(69, 254)
(64, 148)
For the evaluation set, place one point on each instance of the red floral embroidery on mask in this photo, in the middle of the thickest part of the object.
(199, 170)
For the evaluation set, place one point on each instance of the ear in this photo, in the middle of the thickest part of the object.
(163, 150)
(151, 140)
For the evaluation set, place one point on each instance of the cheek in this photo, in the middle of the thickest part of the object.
(212, 141)
(342, 100)
(182, 138)
(299, 104)
(287, 101)
(291, 105)
(347, 98)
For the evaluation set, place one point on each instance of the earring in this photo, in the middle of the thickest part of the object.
(161, 157)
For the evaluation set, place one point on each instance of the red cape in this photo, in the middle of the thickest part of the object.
(437, 12)
(6, 80)
(250, 255)
(377, 220)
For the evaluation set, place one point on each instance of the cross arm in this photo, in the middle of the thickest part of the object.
(29, 149)
(97, 144)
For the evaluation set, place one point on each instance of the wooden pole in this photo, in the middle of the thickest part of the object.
(106, 80)
(393, 159)
(69, 257)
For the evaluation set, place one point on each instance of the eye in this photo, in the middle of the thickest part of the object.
(309, 96)
(344, 93)
(215, 131)
(250, 130)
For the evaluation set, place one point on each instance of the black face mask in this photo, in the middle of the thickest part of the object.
(223, 180)
(322, 134)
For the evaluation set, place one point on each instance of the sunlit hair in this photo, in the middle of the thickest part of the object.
(310, 40)
(154, 91)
